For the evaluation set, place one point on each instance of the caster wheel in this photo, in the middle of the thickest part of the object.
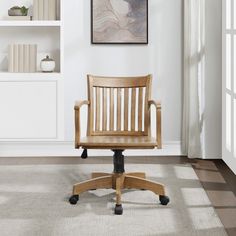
(164, 200)
(74, 199)
(118, 210)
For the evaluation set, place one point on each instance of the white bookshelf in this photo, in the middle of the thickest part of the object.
(47, 38)
(24, 122)
(6, 76)
(7, 23)
(6, 4)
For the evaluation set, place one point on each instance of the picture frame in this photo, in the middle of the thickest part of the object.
(119, 21)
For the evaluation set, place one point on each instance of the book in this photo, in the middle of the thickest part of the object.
(25, 18)
(32, 57)
(36, 10)
(26, 58)
(16, 58)
(21, 58)
(11, 58)
(41, 9)
(52, 10)
(45, 9)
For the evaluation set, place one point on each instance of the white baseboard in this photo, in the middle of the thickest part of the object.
(39, 149)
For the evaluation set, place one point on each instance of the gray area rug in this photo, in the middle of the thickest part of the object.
(34, 201)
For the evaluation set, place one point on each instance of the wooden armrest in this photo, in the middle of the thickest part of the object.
(157, 104)
(79, 104)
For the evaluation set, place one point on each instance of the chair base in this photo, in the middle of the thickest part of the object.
(119, 180)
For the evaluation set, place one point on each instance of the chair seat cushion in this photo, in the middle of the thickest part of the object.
(118, 142)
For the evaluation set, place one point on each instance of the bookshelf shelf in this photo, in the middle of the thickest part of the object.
(30, 76)
(30, 23)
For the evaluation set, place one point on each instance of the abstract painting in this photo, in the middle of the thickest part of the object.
(119, 21)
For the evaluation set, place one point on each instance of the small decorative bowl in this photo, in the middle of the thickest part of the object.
(18, 11)
(15, 12)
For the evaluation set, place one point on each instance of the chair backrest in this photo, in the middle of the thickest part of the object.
(119, 106)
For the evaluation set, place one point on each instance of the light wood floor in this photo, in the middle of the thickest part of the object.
(216, 178)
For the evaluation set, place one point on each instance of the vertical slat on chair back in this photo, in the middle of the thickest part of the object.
(118, 105)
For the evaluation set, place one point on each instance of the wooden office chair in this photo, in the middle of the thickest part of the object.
(118, 119)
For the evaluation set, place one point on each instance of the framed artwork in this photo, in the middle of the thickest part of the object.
(119, 21)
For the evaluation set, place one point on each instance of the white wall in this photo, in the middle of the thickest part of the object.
(162, 57)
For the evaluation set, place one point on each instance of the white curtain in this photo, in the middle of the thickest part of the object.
(194, 76)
